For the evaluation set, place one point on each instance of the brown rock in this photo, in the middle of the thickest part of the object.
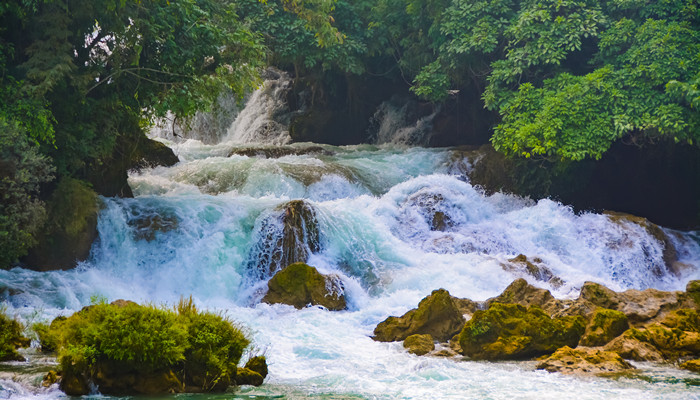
(631, 348)
(533, 267)
(604, 326)
(521, 292)
(584, 361)
(691, 365)
(437, 315)
(419, 344)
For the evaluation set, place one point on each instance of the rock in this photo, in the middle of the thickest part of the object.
(432, 207)
(437, 315)
(640, 306)
(691, 365)
(123, 303)
(693, 290)
(118, 379)
(631, 348)
(152, 153)
(419, 344)
(147, 226)
(521, 292)
(74, 385)
(511, 332)
(258, 364)
(70, 230)
(678, 335)
(280, 151)
(245, 376)
(604, 326)
(50, 378)
(300, 285)
(534, 268)
(584, 361)
(289, 236)
(669, 250)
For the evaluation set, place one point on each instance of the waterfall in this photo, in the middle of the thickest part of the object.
(398, 121)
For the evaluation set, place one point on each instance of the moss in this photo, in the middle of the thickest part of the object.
(584, 361)
(300, 285)
(678, 335)
(691, 365)
(246, 376)
(438, 315)
(11, 339)
(419, 344)
(693, 290)
(604, 326)
(599, 295)
(511, 331)
(125, 348)
(258, 364)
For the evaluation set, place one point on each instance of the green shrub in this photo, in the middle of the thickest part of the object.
(109, 344)
(11, 338)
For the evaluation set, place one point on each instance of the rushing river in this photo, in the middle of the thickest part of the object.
(196, 228)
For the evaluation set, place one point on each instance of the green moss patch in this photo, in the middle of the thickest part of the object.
(11, 339)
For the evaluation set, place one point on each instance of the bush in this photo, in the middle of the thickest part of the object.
(11, 339)
(126, 348)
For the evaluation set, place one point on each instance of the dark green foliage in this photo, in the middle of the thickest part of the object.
(106, 343)
(11, 338)
(511, 331)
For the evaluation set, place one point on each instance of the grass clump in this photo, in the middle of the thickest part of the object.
(126, 348)
(11, 338)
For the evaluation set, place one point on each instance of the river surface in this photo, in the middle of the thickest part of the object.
(196, 229)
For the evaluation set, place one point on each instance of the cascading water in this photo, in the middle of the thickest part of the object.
(398, 122)
(393, 223)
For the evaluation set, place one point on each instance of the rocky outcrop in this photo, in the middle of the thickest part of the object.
(70, 230)
(301, 285)
(676, 336)
(604, 326)
(631, 348)
(512, 331)
(437, 315)
(419, 344)
(246, 376)
(533, 267)
(147, 225)
(288, 236)
(691, 365)
(258, 364)
(280, 151)
(586, 361)
(521, 292)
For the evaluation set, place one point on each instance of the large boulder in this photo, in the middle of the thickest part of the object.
(631, 348)
(437, 315)
(604, 326)
(301, 285)
(419, 344)
(70, 230)
(289, 235)
(511, 332)
(521, 292)
(676, 336)
(584, 361)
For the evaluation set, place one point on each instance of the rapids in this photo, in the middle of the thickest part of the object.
(194, 229)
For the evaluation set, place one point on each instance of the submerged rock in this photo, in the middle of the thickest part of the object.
(288, 236)
(419, 344)
(301, 285)
(584, 361)
(438, 315)
(533, 267)
(512, 331)
(70, 230)
(604, 326)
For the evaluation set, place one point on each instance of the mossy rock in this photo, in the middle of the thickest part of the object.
(521, 292)
(301, 285)
(677, 336)
(70, 230)
(11, 339)
(691, 365)
(631, 348)
(512, 332)
(438, 315)
(693, 290)
(584, 361)
(258, 364)
(246, 376)
(125, 349)
(419, 344)
(147, 227)
(604, 326)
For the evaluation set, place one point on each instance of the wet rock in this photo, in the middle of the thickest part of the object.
(432, 207)
(631, 348)
(640, 306)
(584, 361)
(604, 326)
(152, 153)
(115, 379)
(512, 331)
(246, 376)
(521, 292)
(258, 364)
(693, 290)
(438, 315)
(280, 151)
(70, 230)
(419, 344)
(691, 365)
(301, 285)
(147, 226)
(288, 236)
(676, 336)
(533, 267)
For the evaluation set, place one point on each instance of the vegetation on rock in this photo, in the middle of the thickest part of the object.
(301, 285)
(419, 344)
(11, 338)
(125, 348)
(604, 326)
(438, 315)
(584, 361)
